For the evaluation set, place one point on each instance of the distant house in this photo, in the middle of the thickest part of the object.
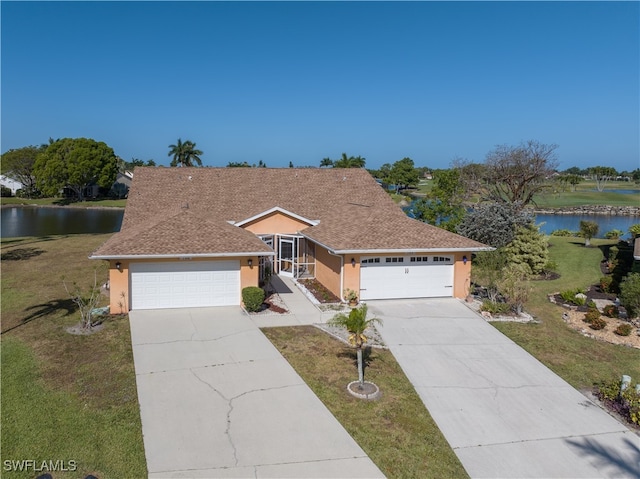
(10, 183)
(636, 249)
(194, 237)
(120, 187)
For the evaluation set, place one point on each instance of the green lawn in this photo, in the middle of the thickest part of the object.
(396, 431)
(581, 361)
(103, 203)
(64, 397)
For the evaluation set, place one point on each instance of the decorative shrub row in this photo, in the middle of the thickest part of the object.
(253, 297)
(626, 403)
(495, 308)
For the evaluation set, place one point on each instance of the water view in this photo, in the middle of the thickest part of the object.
(549, 223)
(38, 221)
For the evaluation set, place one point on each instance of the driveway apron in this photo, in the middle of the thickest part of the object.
(503, 412)
(218, 400)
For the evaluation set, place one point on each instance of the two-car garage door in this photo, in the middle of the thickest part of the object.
(185, 284)
(395, 277)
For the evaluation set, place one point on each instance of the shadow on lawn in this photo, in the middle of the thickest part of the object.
(41, 310)
(20, 254)
(350, 352)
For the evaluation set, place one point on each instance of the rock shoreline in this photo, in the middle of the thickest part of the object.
(591, 210)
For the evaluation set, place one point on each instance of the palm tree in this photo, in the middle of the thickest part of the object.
(349, 162)
(326, 162)
(184, 154)
(356, 323)
(588, 229)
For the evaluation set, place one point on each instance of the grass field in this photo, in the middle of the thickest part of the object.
(64, 397)
(101, 203)
(581, 361)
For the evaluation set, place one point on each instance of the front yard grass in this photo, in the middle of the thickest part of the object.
(64, 397)
(396, 431)
(579, 360)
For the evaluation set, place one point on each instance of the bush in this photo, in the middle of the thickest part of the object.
(570, 296)
(494, 307)
(630, 293)
(253, 297)
(562, 233)
(598, 324)
(610, 311)
(605, 284)
(623, 329)
(626, 403)
(591, 316)
(614, 234)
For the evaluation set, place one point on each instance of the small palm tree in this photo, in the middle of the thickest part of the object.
(184, 154)
(588, 229)
(356, 323)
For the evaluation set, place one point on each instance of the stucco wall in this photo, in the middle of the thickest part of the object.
(328, 270)
(119, 280)
(275, 223)
(461, 275)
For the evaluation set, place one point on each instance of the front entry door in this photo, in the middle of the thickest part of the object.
(286, 256)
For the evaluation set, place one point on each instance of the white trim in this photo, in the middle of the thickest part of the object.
(185, 256)
(277, 209)
(410, 251)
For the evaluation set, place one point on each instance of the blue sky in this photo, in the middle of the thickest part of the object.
(300, 81)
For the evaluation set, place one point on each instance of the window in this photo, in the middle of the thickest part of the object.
(394, 259)
(370, 260)
(419, 259)
(441, 259)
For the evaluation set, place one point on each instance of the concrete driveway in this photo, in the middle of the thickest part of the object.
(503, 412)
(218, 400)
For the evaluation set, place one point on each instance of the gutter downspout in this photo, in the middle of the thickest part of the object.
(341, 273)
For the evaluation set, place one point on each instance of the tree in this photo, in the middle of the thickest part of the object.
(237, 164)
(573, 180)
(443, 206)
(493, 223)
(487, 271)
(185, 154)
(349, 162)
(588, 229)
(472, 176)
(291, 164)
(529, 249)
(630, 293)
(601, 174)
(514, 174)
(19, 165)
(356, 323)
(326, 162)
(86, 299)
(514, 286)
(75, 163)
(402, 174)
(130, 165)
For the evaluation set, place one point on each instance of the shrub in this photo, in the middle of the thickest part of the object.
(614, 234)
(623, 329)
(253, 297)
(570, 296)
(605, 284)
(598, 324)
(626, 403)
(630, 293)
(591, 316)
(611, 311)
(494, 307)
(562, 233)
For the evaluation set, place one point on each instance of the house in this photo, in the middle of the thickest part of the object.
(197, 236)
(120, 187)
(10, 183)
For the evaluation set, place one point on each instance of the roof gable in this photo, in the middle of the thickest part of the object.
(277, 209)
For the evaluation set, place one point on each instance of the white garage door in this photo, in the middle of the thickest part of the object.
(395, 277)
(185, 284)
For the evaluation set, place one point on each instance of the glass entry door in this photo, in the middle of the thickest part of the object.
(286, 255)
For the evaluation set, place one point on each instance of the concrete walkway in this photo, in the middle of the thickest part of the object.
(218, 400)
(503, 412)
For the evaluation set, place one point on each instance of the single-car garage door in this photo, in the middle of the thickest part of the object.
(185, 284)
(395, 277)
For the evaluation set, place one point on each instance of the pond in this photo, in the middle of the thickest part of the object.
(549, 223)
(44, 221)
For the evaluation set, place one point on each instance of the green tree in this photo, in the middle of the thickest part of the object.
(356, 323)
(514, 174)
(19, 164)
(630, 293)
(601, 174)
(588, 229)
(514, 286)
(349, 162)
(185, 154)
(634, 230)
(443, 205)
(529, 249)
(237, 164)
(402, 174)
(130, 165)
(75, 163)
(326, 162)
(493, 223)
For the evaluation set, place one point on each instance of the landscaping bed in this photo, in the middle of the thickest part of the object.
(319, 292)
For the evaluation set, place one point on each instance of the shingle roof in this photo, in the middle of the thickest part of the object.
(185, 211)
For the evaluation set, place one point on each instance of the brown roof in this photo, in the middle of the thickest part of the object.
(181, 211)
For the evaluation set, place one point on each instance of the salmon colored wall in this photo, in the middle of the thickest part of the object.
(352, 274)
(119, 280)
(461, 276)
(275, 223)
(328, 270)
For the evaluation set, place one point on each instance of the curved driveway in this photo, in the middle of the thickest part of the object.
(218, 400)
(503, 412)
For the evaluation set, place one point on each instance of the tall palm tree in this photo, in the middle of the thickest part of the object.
(356, 323)
(184, 154)
(326, 162)
(349, 162)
